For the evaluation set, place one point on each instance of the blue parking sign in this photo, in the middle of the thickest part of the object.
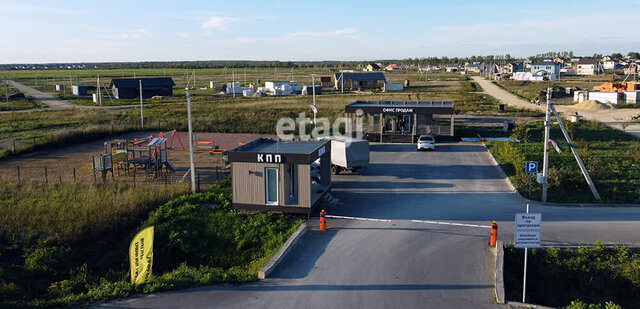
(531, 166)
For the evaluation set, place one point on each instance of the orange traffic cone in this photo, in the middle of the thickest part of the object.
(323, 221)
(494, 234)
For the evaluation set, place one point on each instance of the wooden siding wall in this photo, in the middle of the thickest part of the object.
(304, 182)
(248, 184)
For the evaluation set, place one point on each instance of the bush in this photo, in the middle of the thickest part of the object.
(610, 156)
(557, 277)
(194, 245)
(46, 260)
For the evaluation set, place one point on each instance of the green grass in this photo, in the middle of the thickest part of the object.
(20, 104)
(194, 244)
(570, 277)
(69, 212)
(42, 130)
(611, 157)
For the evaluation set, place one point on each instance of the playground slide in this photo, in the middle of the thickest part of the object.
(171, 166)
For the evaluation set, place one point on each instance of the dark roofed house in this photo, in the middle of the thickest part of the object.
(129, 88)
(359, 80)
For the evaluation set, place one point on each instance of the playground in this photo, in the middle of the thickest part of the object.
(140, 157)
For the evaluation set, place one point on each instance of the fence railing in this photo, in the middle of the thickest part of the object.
(205, 176)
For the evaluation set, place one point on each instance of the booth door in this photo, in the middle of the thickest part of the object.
(408, 123)
(271, 183)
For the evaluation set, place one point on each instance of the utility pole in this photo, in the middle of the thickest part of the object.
(585, 173)
(98, 87)
(191, 163)
(6, 89)
(233, 83)
(545, 160)
(141, 108)
(313, 83)
(342, 80)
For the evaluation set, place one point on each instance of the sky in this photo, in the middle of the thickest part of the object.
(45, 31)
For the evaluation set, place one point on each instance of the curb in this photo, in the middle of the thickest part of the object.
(499, 272)
(279, 256)
(526, 200)
(518, 305)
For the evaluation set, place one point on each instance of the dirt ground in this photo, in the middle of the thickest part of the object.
(60, 162)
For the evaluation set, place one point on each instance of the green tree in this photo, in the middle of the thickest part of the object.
(634, 55)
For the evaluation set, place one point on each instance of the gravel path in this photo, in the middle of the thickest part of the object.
(613, 118)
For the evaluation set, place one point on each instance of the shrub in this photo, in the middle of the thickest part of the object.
(48, 261)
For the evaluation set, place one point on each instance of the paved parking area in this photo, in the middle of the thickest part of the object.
(403, 264)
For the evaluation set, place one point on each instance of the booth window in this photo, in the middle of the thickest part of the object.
(271, 184)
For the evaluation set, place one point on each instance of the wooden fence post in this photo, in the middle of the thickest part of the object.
(46, 175)
(74, 174)
(198, 189)
(18, 167)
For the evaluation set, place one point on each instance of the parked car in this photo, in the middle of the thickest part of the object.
(426, 141)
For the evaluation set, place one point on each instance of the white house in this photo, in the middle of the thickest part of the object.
(589, 66)
(610, 64)
(282, 88)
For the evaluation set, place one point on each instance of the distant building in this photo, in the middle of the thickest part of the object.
(129, 88)
(392, 67)
(568, 70)
(283, 88)
(359, 80)
(512, 67)
(452, 68)
(631, 68)
(473, 68)
(548, 68)
(610, 64)
(373, 67)
(326, 81)
(79, 90)
(588, 66)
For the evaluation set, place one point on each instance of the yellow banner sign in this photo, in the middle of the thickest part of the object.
(141, 256)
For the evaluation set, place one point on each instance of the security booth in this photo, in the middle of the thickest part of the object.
(270, 175)
(401, 121)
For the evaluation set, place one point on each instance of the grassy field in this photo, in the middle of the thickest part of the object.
(68, 245)
(574, 277)
(20, 104)
(38, 130)
(530, 90)
(611, 157)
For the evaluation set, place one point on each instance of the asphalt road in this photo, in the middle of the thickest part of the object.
(402, 264)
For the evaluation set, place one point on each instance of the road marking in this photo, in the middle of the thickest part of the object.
(416, 221)
(356, 218)
(452, 223)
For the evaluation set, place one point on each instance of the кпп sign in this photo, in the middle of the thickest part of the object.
(527, 233)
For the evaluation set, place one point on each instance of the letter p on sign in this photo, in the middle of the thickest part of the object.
(531, 167)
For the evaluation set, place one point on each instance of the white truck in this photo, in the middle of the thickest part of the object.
(350, 155)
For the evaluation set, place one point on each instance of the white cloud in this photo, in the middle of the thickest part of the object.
(217, 23)
(323, 34)
(184, 35)
(300, 35)
(137, 34)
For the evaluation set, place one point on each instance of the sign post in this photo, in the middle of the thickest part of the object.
(527, 236)
(531, 167)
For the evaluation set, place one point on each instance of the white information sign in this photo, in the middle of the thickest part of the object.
(527, 233)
